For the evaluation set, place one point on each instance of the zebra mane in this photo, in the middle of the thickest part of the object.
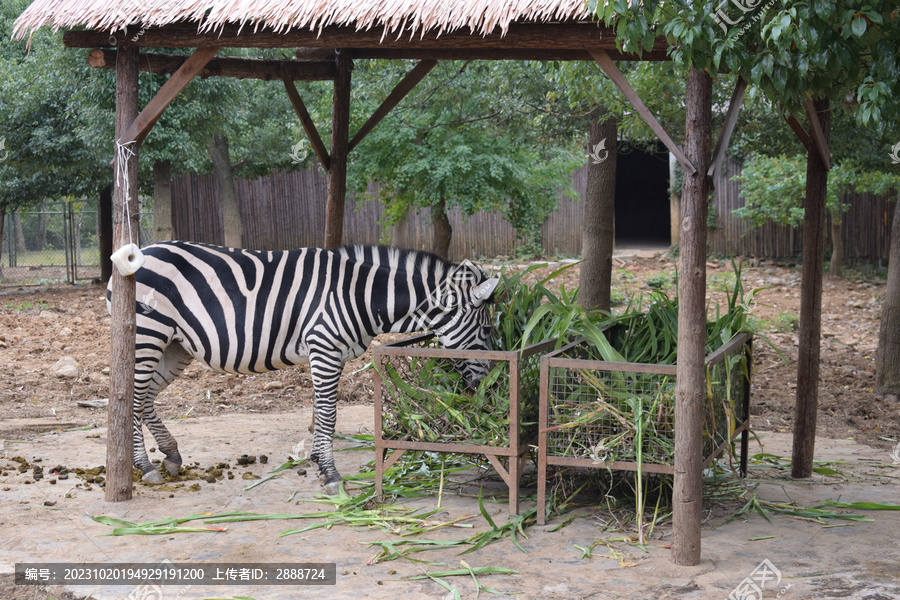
(403, 256)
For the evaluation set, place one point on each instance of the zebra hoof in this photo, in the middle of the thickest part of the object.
(333, 488)
(172, 468)
(153, 477)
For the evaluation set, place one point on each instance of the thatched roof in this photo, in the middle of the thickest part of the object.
(395, 17)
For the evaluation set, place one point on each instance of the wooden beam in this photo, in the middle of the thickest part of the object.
(535, 54)
(122, 333)
(818, 136)
(308, 125)
(225, 66)
(731, 117)
(314, 53)
(340, 138)
(798, 129)
(690, 379)
(612, 71)
(178, 81)
(399, 92)
(547, 36)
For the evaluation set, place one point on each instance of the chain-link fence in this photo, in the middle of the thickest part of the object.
(56, 242)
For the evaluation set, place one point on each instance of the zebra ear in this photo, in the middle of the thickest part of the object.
(483, 291)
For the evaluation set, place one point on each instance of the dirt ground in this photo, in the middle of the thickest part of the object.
(219, 417)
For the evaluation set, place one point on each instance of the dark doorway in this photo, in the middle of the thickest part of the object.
(642, 196)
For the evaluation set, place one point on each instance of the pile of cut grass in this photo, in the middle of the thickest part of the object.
(427, 399)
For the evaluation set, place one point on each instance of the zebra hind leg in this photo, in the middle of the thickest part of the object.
(174, 360)
(325, 376)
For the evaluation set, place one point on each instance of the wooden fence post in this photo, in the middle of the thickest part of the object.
(340, 140)
(119, 451)
(105, 233)
(690, 386)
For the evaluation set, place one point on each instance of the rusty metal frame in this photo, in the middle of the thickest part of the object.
(515, 452)
(741, 342)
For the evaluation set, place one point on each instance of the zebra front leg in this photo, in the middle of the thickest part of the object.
(326, 373)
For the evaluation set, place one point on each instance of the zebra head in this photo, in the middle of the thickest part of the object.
(460, 315)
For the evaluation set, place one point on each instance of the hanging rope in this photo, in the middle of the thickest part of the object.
(129, 258)
(123, 155)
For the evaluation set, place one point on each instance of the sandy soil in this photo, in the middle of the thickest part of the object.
(218, 417)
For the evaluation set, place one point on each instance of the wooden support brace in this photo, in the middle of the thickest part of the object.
(308, 125)
(405, 86)
(390, 460)
(731, 116)
(818, 136)
(799, 130)
(612, 71)
(168, 92)
(501, 470)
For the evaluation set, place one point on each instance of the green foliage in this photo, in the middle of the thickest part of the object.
(786, 323)
(53, 138)
(459, 140)
(660, 281)
(773, 188)
(790, 50)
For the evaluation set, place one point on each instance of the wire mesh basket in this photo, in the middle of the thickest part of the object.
(601, 414)
(422, 402)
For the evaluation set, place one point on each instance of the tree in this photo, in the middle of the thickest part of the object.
(887, 361)
(569, 99)
(794, 52)
(456, 143)
(231, 211)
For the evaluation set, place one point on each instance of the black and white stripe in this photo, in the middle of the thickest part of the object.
(241, 311)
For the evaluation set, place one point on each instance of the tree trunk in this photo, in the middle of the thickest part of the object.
(231, 212)
(443, 231)
(807, 399)
(105, 232)
(887, 361)
(599, 213)
(837, 245)
(690, 381)
(19, 232)
(400, 232)
(162, 200)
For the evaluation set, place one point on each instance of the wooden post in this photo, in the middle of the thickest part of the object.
(119, 451)
(690, 385)
(340, 138)
(807, 399)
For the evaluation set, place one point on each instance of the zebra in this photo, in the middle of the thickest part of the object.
(243, 311)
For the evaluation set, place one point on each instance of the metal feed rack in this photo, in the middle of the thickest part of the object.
(437, 431)
(584, 402)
